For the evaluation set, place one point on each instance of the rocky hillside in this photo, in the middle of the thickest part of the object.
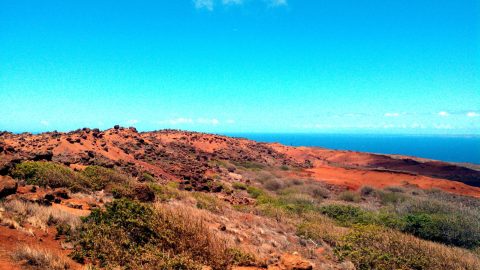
(184, 200)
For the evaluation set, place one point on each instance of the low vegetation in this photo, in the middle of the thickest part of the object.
(48, 174)
(373, 247)
(39, 259)
(390, 228)
(40, 216)
(134, 235)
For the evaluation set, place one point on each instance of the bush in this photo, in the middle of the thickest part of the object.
(441, 222)
(391, 197)
(99, 178)
(273, 184)
(320, 229)
(42, 216)
(367, 191)
(209, 202)
(133, 235)
(347, 215)
(395, 189)
(50, 174)
(349, 196)
(148, 177)
(255, 192)
(239, 185)
(372, 247)
(165, 192)
(251, 165)
(39, 259)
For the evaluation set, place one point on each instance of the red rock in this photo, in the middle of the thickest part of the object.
(7, 186)
(294, 262)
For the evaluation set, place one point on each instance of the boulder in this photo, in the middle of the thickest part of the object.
(7, 186)
(144, 194)
(295, 262)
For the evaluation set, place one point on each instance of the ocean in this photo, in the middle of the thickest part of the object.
(450, 148)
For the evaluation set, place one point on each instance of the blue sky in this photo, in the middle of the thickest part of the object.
(399, 66)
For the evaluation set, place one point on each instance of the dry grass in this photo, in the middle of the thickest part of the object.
(134, 235)
(372, 247)
(41, 216)
(39, 259)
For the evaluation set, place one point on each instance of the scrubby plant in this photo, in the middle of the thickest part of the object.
(134, 235)
(394, 189)
(39, 259)
(165, 192)
(273, 184)
(209, 202)
(41, 216)
(367, 191)
(239, 185)
(50, 174)
(250, 165)
(441, 222)
(99, 178)
(373, 247)
(148, 177)
(388, 197)
(347, 214)
(349, 196)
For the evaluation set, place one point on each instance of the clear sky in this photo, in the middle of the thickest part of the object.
(372, 66)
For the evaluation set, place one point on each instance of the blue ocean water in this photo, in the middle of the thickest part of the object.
(446, 148)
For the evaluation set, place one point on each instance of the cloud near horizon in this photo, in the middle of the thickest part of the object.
(201, 121)
(211, 4)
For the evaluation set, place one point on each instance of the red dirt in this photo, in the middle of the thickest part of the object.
(178, 155)
(11, 239)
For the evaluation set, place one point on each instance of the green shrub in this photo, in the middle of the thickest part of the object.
(349, 196)
(448, 229)
(209, 202)
(239, 185)
(395, 189)
(132, 235)
(255, 192)
(251, 165)
(347, 215)
(148, 177)
(368, 249)
(101, 178)
(391, 197)
(165, 192)
(367, 191)
(50, 174)
(273, 184)
(373, 247)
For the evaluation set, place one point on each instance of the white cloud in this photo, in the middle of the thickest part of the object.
(443, 114)
(183, 120)
(473, 114)
(442, 126)
(210, 4)
(391, 114)
(212, 121)
(177, 121)
(230, 121)
(44, 123)
(206, 4)
(132, 121)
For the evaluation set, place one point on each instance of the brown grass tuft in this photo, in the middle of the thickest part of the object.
(39, 259)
